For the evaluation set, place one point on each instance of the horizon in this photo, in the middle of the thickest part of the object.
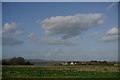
(61, 60)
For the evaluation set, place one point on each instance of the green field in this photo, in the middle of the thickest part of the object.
(83, 71)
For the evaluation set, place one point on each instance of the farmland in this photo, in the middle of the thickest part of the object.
(75, 71)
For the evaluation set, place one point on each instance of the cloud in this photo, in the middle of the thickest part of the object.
(0, 37)
(9, 27)
(50, 41)
(32, 35)
(8, 34)
(111, 35)
(70, 26)
(18, 32)
(94, 34)
(110, 38)
(111, 5)
(113, 31)
(53, 52)
(10, 41)
(55, 41)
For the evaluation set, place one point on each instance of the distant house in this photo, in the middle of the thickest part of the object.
(89, 63)
(69, 63)
(64, 63)
(73, 63)
(116, 64)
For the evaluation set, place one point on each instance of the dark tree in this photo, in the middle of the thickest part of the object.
(13, 61)
(5, 62)
(28, 63)
(17, 61)
(20, 60)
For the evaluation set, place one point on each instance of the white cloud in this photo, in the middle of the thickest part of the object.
(70, 26)
(9, 27)
(32, 35)
(111, 35)
(110, 38)
(113, 31)
(111, 5)
(8, 34)
(49, 41)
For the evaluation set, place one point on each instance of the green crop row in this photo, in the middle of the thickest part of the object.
(43, 72)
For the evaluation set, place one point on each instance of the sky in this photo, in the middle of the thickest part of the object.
(79, 31)
(0, 30)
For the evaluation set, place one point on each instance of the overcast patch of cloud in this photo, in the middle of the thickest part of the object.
(111, 35)
(49, 41)
(70, 26)
(10, 41)
(53, 52)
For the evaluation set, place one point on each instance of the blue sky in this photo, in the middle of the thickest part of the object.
(1, 29)
(60, 31)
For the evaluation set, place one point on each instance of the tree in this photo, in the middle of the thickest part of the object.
(20, 60)
(13, 61)
(28, 63)
(17, 61)
(5, 62)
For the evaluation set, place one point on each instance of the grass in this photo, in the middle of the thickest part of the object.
(85, 71)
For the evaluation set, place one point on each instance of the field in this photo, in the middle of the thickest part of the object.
(81, 71)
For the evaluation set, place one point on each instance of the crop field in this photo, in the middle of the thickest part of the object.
(81, 71)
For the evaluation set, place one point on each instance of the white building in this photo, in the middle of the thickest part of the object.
(64, 63)
(71, 63)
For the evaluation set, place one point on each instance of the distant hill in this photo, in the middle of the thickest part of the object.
(41, 61)
(35, 60)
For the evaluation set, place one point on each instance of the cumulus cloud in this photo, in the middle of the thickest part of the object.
(8, 34)
(49, 41)
(111, 5)
(111, 35)
(9, 27)
(113, 31)
(70, 26)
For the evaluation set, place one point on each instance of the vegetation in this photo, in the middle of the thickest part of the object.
(16, 61)
(88, 63)
(18, 67)
(83, 71)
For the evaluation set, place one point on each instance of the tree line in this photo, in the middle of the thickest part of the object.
(16, 61)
